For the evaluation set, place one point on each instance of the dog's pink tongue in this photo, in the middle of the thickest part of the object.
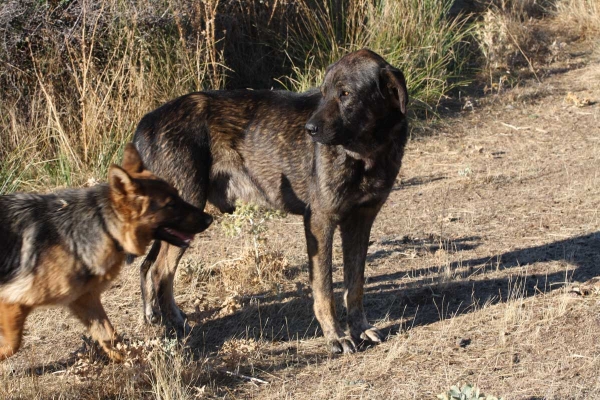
(186, 237)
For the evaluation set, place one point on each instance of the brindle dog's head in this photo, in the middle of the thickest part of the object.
(149, 208)
(361, 94)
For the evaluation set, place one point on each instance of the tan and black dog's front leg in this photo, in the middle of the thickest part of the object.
(355, 230)
(319, 231)
(89, 310)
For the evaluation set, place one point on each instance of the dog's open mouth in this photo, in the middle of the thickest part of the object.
(174, 237)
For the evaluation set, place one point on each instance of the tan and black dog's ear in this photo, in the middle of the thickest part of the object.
(121, 182)
(132, 162)
(393, 86)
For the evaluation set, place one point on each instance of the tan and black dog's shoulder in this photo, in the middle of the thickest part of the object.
(331, 154)
(64, 248)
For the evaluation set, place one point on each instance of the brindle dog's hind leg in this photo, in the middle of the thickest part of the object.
(355, 230)
(186, 164)
(157, 274)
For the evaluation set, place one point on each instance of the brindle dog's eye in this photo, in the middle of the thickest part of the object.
(170, 204)
(344, 93)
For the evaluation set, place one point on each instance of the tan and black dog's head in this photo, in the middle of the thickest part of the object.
(149, 208)
(361, 95)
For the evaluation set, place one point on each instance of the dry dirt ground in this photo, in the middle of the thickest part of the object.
(480, 270)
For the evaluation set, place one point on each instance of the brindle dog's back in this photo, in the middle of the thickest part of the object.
(264, 160)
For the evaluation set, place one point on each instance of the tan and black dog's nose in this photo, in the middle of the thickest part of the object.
(311, 128)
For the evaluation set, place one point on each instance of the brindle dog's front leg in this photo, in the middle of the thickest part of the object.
(355, 230)
(163, 277)
(157, 274)
(319, 231)
(151, 309)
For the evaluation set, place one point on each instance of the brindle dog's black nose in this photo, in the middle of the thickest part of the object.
(311, 128)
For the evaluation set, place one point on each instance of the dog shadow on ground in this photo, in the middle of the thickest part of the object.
(288, 317)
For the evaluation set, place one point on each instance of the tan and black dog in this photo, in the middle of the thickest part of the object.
(331, 155)
(66, 247)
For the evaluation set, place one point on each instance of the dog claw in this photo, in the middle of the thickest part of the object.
(372, 335)
(344, 345)
(152, 316)
(181, 331)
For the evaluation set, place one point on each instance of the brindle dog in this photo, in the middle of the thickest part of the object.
(331, 155)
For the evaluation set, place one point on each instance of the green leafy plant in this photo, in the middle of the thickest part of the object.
(466, 392)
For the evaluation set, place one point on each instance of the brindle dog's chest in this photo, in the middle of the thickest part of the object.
(355, 183)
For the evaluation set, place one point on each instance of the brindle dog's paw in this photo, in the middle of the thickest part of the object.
(343, 345)
(152, 315)
(372, 335)
(176, 323)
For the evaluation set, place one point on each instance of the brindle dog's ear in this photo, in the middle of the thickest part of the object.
(393, 86)
(132, 162)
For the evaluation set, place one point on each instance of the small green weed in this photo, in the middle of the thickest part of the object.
(466, 392)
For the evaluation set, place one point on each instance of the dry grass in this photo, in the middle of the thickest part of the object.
(520, 39)
(583, 15)
(74, 95)
(78, 75)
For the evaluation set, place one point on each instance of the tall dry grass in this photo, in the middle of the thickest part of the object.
(583, 14)
(75, 88)
(508, 42)
(77, 75)
(415, 36)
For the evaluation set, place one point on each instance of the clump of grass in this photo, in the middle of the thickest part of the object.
(244, 274)
(259, 265)
(172, 373)
(500, 35)
(416, 36)
(511, 47)
(584, 14)
(75, 93)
